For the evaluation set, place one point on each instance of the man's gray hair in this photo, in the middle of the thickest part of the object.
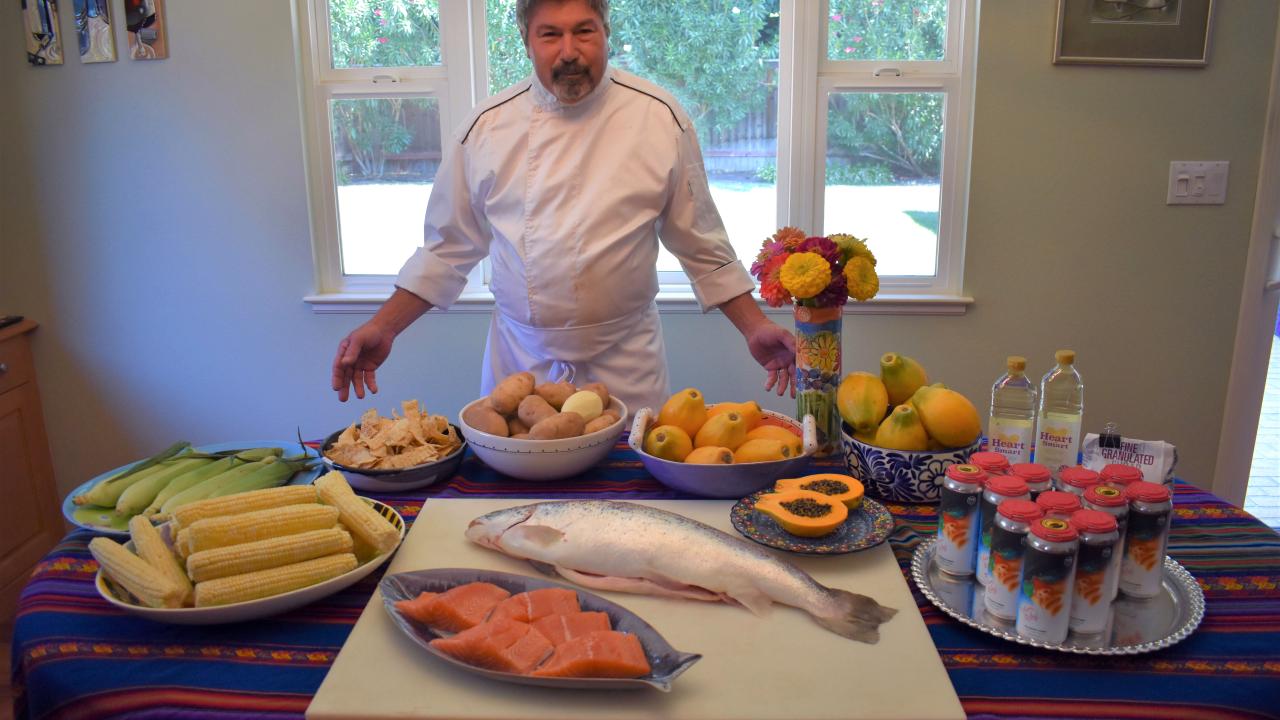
(524, 8)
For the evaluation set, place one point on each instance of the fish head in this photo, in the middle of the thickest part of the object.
(487, 530)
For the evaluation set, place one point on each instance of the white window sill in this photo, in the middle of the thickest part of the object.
(669, 302)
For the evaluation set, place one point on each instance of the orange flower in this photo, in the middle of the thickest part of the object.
(790, 237)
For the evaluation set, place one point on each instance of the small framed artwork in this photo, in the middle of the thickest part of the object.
(1134, 32)
(148, 38)
(93, 28)
(40, 20)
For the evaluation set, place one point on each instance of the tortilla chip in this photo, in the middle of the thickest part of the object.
(395, 443)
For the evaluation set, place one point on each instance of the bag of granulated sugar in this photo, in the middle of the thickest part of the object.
(1155, 458)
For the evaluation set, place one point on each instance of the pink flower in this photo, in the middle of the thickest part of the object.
(827, 249)
(383, 40)
(771, 248)
(377, 12)
(857, 38)
(848, 49)
(837, 17)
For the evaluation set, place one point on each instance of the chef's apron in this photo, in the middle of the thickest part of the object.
(626, 354)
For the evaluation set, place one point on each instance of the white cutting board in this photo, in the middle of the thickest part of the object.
(782, 666)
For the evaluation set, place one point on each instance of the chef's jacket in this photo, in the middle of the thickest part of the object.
(570, 202)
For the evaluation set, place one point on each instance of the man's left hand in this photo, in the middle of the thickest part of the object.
(775, 349)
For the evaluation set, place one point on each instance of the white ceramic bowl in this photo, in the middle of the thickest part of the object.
(253, 609)
(540, 460)
(724, 481)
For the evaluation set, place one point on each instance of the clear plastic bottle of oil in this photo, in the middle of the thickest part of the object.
(1061, 413)
(1011, 426)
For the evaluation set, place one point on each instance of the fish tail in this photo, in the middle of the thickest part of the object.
(856, 617)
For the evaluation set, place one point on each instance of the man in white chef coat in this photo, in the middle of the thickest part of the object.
(568, 180)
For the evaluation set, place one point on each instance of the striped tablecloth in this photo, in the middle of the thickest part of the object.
(74, 656)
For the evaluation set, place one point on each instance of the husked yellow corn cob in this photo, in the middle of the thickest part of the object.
(243, 502)
(134, 574)
(265, 583)
(153, 550)
(266, 554)
(224, 530)
(361, 520)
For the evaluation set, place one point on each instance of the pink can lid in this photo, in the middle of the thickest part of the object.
(1007, 485)
(1120, 474)
(991, 462)
(1147, 492)
(1020, 510)
(966, 474)
(1059, 502)
(1105, 495)
(1078, 476)
(1053, 529)
(1031, 472)
(1093, 521)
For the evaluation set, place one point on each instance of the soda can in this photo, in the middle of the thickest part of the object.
(1119, 475)
(1110, 500)
(997, 490)
(1099, 542)
(1037, 477)
(1147, 538)
(1056, 503)
(1048, 574)
(1008, 543)
(1077, 479)
(992, 463)
(957, 547)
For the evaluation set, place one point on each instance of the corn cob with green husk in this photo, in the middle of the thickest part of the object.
(205, 489)
(265, 583)
(152, 549)
(199, 475)
(271, 475)
(139, 495)
(106, 492)
(265, 554)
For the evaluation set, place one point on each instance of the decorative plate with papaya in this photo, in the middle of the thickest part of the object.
(821, 514)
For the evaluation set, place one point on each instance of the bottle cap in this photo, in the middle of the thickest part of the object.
(1007, 485)
(1120, 474)
(967, 474)
(1093, 521)
(1147, 492)
(1016, 363)
(1054, 530)
(1031, 472)
(1065, 357)
(1106, 496)
(1056, 501)
(1078, 476)
(991, 462)
(1020, 510)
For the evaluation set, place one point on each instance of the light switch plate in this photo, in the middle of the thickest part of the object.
(1198, 182)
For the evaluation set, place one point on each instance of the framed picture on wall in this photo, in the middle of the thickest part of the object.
(1134, 32)
(44, 43)
(146, 22)
(93, 28)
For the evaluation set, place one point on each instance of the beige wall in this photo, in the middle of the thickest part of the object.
(155, 222)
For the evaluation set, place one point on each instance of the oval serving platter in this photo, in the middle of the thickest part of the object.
(666, 662)
(867, 526)
(1136, 626)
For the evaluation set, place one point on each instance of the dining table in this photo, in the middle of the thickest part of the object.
(76, 656)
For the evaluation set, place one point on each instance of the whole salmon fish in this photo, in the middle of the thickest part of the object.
(626, 547)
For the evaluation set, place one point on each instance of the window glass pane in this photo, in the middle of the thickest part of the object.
(386, 152)
(887, 30)
(720, 59)
(884, 160)
(384, 33)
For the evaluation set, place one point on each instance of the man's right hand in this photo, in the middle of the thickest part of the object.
(358, 358)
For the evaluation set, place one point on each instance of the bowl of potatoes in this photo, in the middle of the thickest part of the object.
(543, 431)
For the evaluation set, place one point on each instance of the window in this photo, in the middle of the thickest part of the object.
(840, 116)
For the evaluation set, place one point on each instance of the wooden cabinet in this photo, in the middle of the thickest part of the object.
(30, 520)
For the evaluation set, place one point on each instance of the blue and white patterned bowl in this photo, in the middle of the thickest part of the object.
(901, 475)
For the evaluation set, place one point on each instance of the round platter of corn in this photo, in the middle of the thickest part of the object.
(249, 555)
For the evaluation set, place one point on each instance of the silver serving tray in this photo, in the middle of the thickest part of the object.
(1135, 626)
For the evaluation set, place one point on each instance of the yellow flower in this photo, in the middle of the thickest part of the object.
(805, 274)
(851, 247)
(860, 274)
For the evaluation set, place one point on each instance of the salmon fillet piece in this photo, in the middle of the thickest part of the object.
(603, 653)
(501, 644)
(456, 609)
(559, 628)
(529, 606)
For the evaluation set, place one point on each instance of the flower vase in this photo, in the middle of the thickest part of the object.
(818, 372)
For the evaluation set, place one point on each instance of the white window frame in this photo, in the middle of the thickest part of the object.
(805, 79)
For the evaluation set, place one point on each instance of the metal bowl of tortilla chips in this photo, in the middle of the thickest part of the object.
(403, 452)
